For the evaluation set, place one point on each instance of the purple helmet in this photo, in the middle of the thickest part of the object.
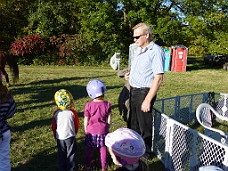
(126, 144)
(95, 88)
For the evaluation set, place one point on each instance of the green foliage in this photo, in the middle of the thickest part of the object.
(100, 27)
(44, 59)
(207, 21)
(70, 49)
(104, 27)
(13, 19)
(52, 18)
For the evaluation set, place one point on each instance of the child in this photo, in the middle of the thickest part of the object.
(65, 125)
(126, 147)
(7, 110)
(97, 117)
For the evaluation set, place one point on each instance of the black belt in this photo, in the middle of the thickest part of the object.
(141, 88)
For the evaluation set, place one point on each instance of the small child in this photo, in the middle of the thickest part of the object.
(126, 147)
(97, 118)
(65, 125)
(7, 110)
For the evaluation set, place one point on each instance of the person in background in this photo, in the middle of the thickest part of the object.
(97, 118)
(65, 125)
(145, 78)
(126, 147)
(7, 110)
(124, 98)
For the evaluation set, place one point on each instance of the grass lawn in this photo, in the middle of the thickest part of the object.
(33, 147)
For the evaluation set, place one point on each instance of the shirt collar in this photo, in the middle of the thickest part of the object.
(149, 46)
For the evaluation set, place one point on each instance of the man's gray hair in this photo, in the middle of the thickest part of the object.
(145, 28)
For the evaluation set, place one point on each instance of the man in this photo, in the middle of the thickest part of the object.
(145, 78)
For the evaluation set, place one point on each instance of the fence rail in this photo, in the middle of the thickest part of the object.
(179, 147)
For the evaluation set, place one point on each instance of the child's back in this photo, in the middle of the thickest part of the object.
(7, 110)
(97, 117)
(65, 125)
(98, 112)
(65, 121)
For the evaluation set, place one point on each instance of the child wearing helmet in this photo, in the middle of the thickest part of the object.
(7, 110)
(65, 125)
(97, 117)
(126, 147)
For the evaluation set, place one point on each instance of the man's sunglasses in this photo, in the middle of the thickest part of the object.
(137, 37)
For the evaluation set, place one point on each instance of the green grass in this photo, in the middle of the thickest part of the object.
(33, 147)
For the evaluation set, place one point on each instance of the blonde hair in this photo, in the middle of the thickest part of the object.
(5, 95)
(146, 29)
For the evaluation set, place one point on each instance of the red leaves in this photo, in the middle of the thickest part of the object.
(29, 44)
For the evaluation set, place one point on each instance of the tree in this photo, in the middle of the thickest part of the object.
(207, 22)
(52, 18)
(100, 25)
(102, 28)
(13, 19)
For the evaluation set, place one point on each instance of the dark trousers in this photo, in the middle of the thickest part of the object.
(141, 121)
(67, 154)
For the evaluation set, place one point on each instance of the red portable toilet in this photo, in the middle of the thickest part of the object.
(179, 58)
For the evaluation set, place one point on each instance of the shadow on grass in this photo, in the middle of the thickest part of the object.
(44, 161)
(38, 86)
(43, 92)
(31, 125)
(45, 89)
(156, 166)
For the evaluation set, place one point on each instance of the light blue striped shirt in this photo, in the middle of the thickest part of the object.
(146, 65)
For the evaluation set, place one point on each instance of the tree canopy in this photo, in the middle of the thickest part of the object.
(105, 27)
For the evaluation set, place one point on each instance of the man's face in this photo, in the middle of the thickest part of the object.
(140, 39)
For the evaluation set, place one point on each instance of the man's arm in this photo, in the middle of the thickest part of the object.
(152, 92)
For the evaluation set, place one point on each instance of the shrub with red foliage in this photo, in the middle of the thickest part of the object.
(66, 44)
(30, 44)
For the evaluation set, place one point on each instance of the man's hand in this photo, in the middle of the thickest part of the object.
(126, 76)
(145, 106)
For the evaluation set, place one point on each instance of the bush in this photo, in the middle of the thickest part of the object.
(69, 49)
(28, 47)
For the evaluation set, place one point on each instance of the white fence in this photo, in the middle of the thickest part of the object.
(179, 147)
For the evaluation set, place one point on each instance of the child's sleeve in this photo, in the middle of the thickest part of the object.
(54, 125)
(11, 108)
(76, 121)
